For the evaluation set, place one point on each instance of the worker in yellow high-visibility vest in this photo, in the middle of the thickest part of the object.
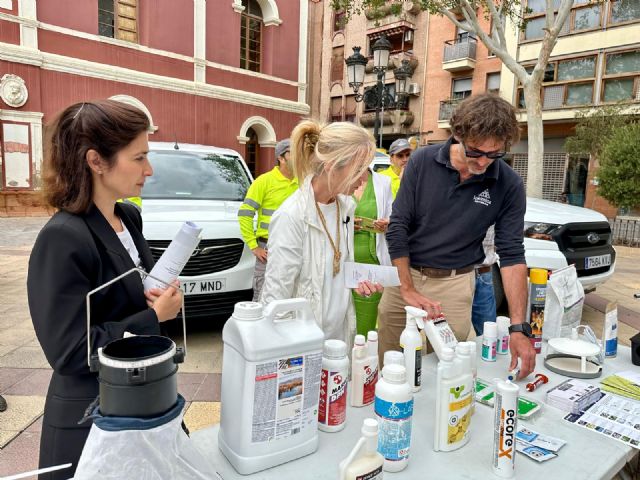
(264, 196)
(400, 151)
(135, 201)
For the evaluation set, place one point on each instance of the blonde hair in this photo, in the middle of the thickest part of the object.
(316, 146)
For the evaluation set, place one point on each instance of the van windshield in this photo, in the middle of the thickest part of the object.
(195, 175)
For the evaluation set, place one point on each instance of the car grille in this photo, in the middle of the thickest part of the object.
(223, 254)
(580, 240)
(212, 304)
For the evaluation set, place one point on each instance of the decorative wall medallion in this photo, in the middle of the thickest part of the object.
(13, 90)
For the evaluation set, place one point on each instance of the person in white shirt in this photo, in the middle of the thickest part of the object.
(484, 298)
(311, 234)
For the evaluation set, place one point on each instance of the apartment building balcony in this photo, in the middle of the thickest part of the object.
(459, 55)
(446, 110)
(386, 15)
(393, 121)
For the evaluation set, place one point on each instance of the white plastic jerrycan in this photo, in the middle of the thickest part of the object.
(271, 369)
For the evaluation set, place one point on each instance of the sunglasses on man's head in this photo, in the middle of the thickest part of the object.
(475, 153)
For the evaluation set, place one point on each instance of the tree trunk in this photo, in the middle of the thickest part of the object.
(535, 139)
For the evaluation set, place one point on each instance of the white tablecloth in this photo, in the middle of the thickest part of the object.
(587, 455)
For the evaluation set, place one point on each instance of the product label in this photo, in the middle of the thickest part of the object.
(504, 436)
(332, 408)
(503, 345)
(370, 380)
(538, 294)
(489, 349)
(285, 397)
(372, 475)
(394, 423)
(417, 374)
(611, 331)
(460, 399)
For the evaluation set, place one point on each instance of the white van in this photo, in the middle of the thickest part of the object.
(557, 235)
(205, 185)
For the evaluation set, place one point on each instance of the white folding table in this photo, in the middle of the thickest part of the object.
(587, 454)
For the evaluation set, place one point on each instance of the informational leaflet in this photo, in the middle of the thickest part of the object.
(354, 273)
(537, 446)
(613, 416)
(285, 397)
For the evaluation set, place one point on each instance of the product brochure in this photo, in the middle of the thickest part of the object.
(355, 273)
(626, 384)
(613, 416)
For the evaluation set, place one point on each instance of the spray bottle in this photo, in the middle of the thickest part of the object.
(503, 323)
(454, 398)
(411, 345)
(505, 428)
(364, 461)
(537, 297)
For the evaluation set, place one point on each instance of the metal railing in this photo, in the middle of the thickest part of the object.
(446, 109)
(625, 231)
(459, 49)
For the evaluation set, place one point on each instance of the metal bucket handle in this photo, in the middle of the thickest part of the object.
(119, 277)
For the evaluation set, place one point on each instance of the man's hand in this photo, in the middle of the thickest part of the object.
(260, 253)
(413, 298)
(381, 224)
(521, 348)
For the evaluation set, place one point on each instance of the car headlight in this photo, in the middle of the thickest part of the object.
(540, 231)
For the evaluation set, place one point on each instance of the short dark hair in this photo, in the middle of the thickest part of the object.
(485, 116)
(106, 126)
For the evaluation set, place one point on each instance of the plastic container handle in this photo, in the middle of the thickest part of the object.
(290, 305)
(114, 280)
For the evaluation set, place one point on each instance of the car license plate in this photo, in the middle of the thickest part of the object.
(199, 287)
(597, 261)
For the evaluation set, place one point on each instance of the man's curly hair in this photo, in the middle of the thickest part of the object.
(485, 116)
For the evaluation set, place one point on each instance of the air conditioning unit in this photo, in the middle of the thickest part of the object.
(414, 89)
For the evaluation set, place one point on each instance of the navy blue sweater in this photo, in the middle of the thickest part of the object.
(439, 222)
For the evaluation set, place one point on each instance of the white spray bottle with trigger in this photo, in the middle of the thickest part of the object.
(411, 346)
(364, 461)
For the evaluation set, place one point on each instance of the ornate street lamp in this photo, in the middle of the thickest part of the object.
(377, 97)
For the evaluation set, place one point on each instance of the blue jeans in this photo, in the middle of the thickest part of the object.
(484, 302)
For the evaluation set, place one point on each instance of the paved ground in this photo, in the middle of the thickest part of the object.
(24, 372)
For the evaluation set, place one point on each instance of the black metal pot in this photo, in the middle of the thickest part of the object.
(137, 376)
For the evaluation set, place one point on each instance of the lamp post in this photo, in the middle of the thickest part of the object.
(378, 97)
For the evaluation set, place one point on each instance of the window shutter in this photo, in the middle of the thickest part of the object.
(127, 20)
(337, 64)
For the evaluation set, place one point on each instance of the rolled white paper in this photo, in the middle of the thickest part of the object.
(175, 257)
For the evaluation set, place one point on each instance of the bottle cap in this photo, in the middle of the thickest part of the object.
(463, 348)
(490, 329)
(447, 354)
(369, 427)
(394, 373)
(538, 275)
(393, 357)
(248, 311)
(359, 340)
(372, 336)
(335, 348)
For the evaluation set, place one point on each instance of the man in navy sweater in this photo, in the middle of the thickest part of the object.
(450, 195)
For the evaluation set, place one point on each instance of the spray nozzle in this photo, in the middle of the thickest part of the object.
(417, 315)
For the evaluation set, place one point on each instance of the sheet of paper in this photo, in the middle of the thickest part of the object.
(355, 273)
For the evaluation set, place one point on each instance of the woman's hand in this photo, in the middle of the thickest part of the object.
(381, 224)
(357, 224)
(366, 288)
(166, 303)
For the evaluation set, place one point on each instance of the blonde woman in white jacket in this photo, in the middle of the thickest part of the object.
(311, 234)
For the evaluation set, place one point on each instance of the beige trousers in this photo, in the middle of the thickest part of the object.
(455, 294)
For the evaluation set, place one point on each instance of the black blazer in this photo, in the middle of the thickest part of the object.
(74, 254)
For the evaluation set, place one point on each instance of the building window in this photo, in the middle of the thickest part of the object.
(15, 156)
(250, 36)
(621, 80)
(401, 39)
(339, 21)
(118, 19)
(464, 34)
(583, 16)
(335, 109)
(623, 11)
(566, 83)
(252, 151)
(337, 64)
(460, 88)
(493, 82)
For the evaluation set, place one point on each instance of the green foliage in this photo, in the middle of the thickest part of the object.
(619, 171)
(594, 128)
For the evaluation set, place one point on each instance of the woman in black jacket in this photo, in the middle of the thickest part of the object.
(96, 153)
